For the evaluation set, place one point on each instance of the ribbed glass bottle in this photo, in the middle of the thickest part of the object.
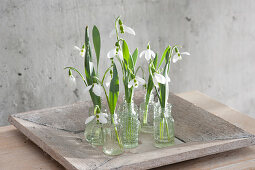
(130, 125)
(163, 126)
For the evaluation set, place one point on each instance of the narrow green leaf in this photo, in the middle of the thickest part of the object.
(87, 43)
(125, 49)
(131, 63)
(155, 61)
(114, 90)
(96, 42)
(134, 56)
(163, 56)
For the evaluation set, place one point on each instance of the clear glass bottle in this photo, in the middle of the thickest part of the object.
(112, 138)
(146, 111)
(163, 126)
(93, 132)
(130, 125)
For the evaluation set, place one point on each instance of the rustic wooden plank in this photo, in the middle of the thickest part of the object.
(193, 123)
(67, 146)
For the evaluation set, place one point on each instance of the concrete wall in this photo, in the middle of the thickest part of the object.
(37, 39)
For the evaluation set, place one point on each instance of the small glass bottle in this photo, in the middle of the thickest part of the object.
(146, 111)
(130, 125)
(112, 137)
(94, 130)
(94, 133)
(163, 126)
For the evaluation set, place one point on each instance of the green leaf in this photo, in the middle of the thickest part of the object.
(87, 43)
(155, 61)
(131, 64)
(96, 42)
(134, 56)
(114, 90)
(163, 56)
(125, 49)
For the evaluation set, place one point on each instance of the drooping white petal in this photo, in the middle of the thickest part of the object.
(77, 48)
(128, 30)
(111, 53)
(91, 66)
(152, 53)
(89, 119)
(155, 82)
(72, 78)
(140, 80)
(160, 79)
(102, 119)
(104, 114)
(112, 33)
(168, 79)
(86, 89)
(97, 89)
(147, 55)
(175, 58)
(108, 81)
(185, 53)
(142, 53)
(131, 83)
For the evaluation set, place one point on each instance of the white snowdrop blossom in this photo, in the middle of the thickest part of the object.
(97, 89)
(102, 118)
(126, 30)
(178, 56)
(81, 50)
(91, 66)
(135, 82)
(72, 78)
(148, 54)
(112, 53)
(158, 78)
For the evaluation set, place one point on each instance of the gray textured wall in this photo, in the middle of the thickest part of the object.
(37, 39)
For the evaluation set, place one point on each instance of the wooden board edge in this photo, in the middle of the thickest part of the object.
(46, 148)
(189, 155)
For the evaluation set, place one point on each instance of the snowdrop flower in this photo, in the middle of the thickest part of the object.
(102, 118)
(135, 82)
(91, 66)
(82, 51)
(122, 29)
(178, 56)
(158, 78)
(128, 30)
(112, 53)
(97, 89)
(72, 78)
(148, 54)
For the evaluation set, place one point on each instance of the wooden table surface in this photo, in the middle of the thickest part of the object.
(17, 152)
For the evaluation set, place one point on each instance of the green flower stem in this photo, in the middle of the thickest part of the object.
(162, 124)
(145, 114)
(116, 131)
(74, 69)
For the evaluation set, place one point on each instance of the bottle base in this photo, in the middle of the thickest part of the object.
(162, 144)
(130, 146)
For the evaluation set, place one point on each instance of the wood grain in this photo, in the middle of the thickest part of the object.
(65, 144)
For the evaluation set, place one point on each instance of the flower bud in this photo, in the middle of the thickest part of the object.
(120, 22)
(70, 72)
(121, 29)
(176, 50)
(117, 44)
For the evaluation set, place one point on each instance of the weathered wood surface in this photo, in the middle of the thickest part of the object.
(64, 142)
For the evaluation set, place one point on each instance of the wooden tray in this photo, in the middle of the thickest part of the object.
(59, 132)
